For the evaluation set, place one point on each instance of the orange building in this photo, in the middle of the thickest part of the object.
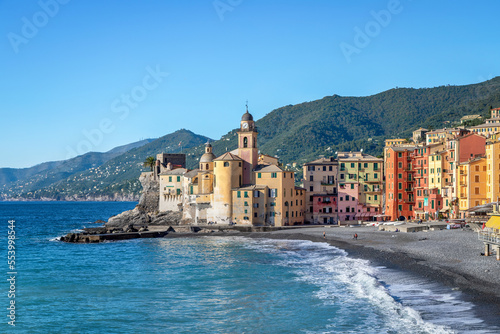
(400, 199)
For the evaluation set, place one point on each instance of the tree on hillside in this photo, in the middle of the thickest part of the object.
(150, 162)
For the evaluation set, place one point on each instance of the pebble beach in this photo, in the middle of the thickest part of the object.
(451, 257)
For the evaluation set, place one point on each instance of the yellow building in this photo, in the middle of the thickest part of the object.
(493, 170)
(171, 189)
(472, 177)
(238, 187)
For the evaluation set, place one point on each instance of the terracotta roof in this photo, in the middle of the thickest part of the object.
(192, 173)
(228, 156)
(252, 187)
(323, 161)
(268, 169)
(177, 171)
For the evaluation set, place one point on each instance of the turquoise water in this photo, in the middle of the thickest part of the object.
(207, 284)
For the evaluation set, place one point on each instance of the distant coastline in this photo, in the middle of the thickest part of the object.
(130, 198)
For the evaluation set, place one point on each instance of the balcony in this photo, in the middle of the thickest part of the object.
(463, 172)
(409, 190)
(409, 200)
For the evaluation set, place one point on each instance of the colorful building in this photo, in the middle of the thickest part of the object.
(320, 184)
(238, 187)
(360, 187)
(399, 182)
(472, 184)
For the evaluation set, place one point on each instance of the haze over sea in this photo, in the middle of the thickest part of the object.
(208, 284)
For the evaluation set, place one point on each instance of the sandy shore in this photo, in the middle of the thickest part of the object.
(451, 257)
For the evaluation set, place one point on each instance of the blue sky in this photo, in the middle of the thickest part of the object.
(86, 75)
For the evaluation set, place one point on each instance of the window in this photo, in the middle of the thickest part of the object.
(342, 176)
(245, 142)
(226, 164)
(178, 191)
(375, 197)
(274, 175)
(256, 205)
(330, 168)
(245, 194)
(169, 179)
(259, 175)
(246, 203)
(400, 176)
(255, 214)
(238, 194)
(476, 178)
(400, 196)
(273, 193)
(311, 178)
(178, 179)
(352, 164)
(346, 197)
(400, 185)
(324, 168)
(256, 193)
(311, 188)
(352, 185)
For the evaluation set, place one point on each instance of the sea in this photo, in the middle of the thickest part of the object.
(204, 284)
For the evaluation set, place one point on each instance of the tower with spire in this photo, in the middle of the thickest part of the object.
(247, 146)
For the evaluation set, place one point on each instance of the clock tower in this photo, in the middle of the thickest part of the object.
(247, 146)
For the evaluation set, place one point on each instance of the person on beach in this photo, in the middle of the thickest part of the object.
(324, 235)
(355, 236)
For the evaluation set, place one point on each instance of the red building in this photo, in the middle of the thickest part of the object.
(399, 191)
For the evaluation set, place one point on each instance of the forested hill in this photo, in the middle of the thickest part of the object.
(295, 133)
(299, 133)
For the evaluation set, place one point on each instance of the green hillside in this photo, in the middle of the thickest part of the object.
(118, 175)
(17, 180)
(300, 133)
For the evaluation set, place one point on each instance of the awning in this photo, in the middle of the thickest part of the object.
(444, 210)
(494, 222)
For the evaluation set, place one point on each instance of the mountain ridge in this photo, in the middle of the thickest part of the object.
(300, 133)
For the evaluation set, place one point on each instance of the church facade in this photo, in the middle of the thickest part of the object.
(238, 187)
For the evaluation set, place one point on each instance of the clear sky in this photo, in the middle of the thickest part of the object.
(82, 75)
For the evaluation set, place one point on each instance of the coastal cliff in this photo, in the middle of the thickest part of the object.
(146, 211)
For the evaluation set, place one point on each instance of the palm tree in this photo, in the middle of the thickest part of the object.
(150, 162)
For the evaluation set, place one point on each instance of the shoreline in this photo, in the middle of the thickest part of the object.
(483, 294)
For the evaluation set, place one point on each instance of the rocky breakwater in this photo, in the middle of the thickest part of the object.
(133, 223)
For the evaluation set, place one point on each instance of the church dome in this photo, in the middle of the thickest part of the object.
(247, 117)
(207, 157)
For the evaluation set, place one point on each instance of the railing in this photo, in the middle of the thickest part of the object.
(492, 238)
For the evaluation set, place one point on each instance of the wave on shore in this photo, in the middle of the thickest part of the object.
(373, 299)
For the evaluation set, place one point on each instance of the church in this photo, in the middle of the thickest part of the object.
(239, 187)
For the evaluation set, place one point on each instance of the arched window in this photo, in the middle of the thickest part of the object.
(226, 164)
(245, 142)
(207, 167)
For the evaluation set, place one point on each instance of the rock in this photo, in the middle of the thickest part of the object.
(166, 218)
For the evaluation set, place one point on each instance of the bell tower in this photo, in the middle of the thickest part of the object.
(247, 146)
